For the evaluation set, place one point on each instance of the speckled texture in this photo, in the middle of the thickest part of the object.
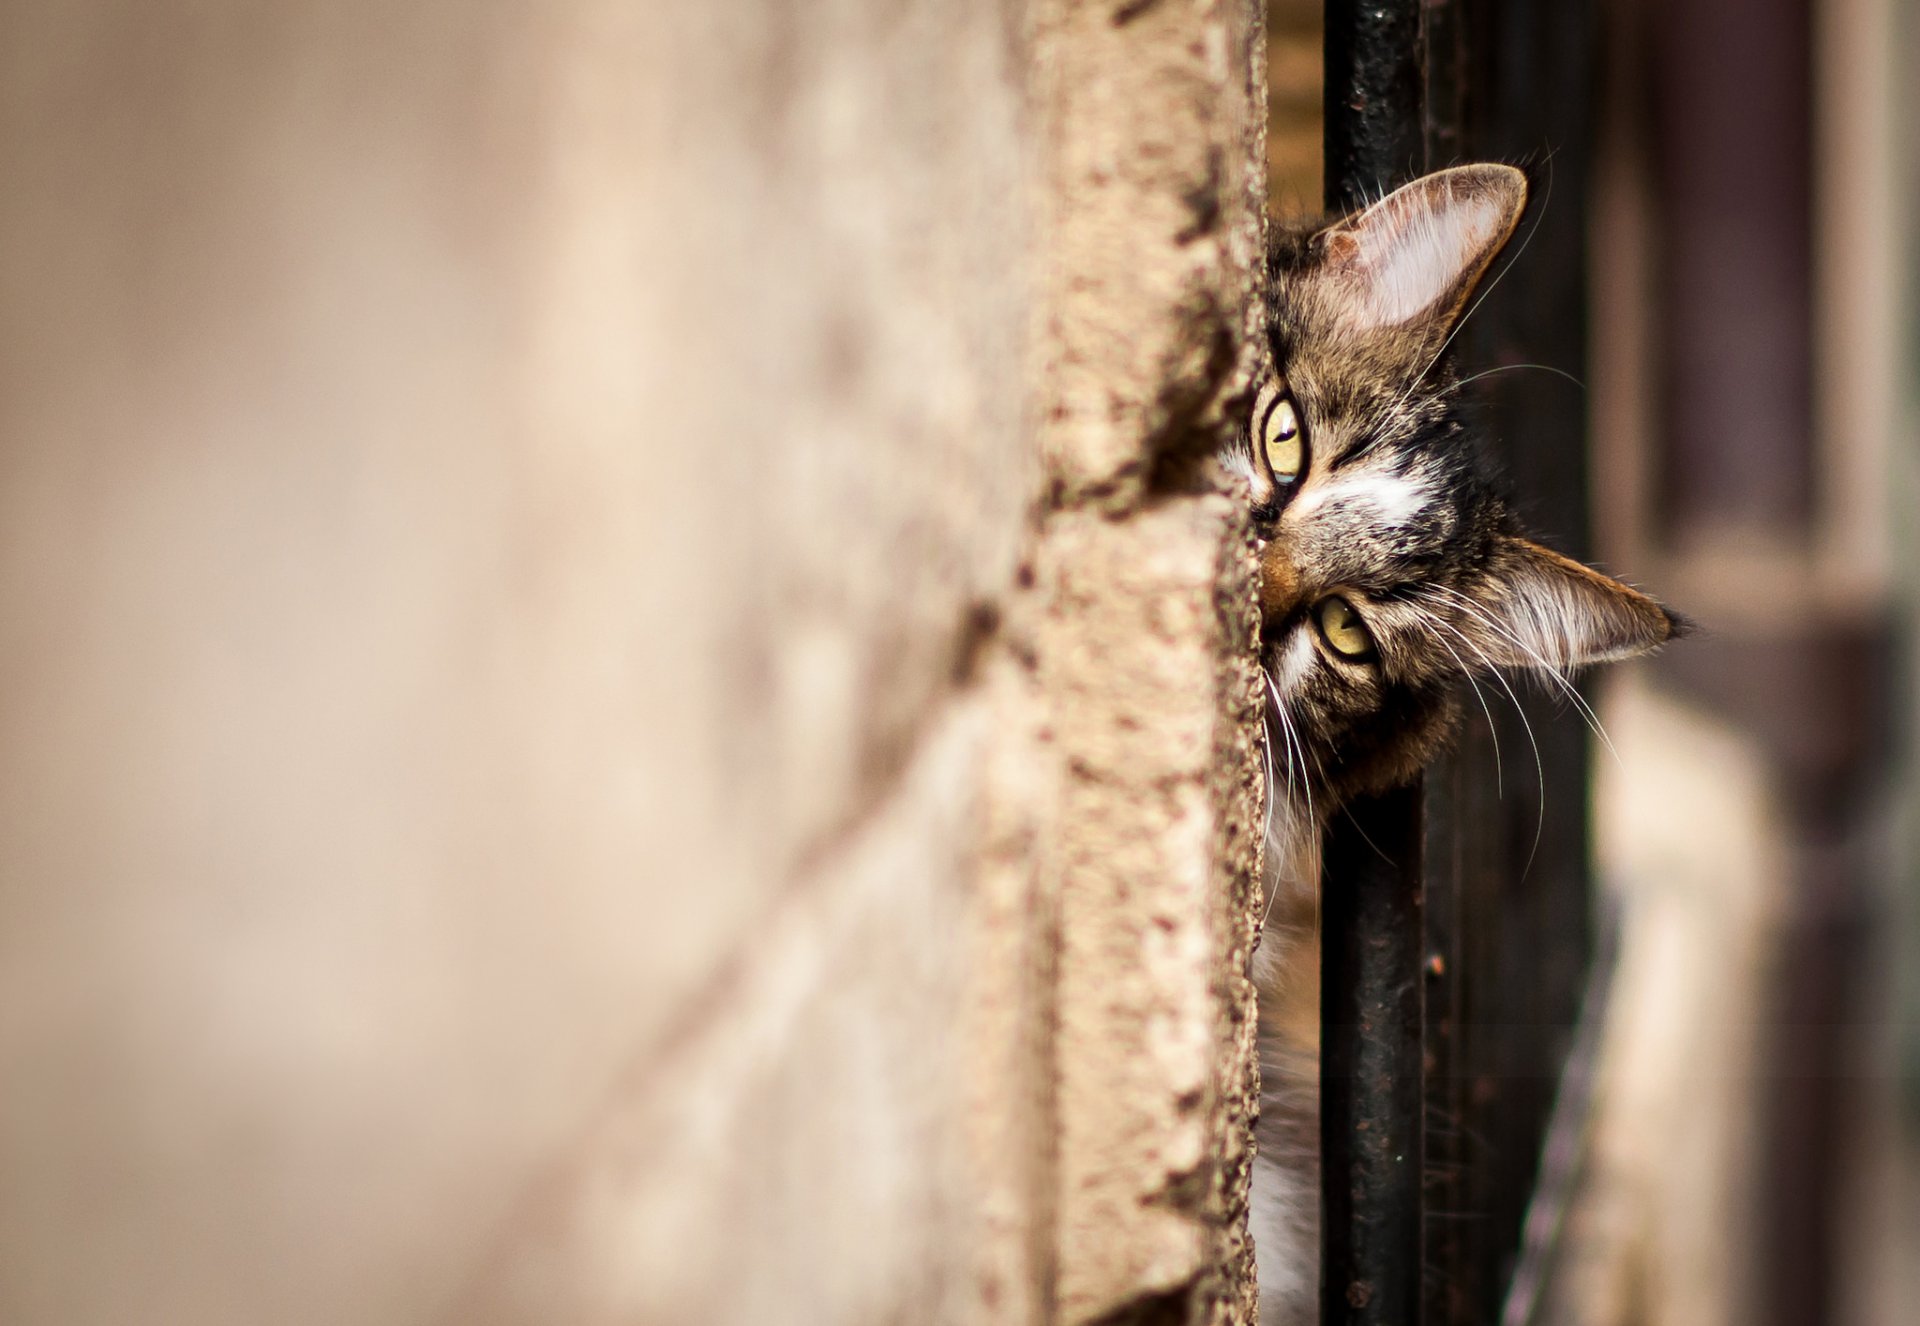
(1152, 119)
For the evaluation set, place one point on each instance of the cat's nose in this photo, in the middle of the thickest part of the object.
(1279, 583)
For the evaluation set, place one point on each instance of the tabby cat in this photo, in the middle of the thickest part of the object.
(1390, 569)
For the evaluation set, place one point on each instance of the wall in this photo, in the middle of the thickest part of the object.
(624, 692)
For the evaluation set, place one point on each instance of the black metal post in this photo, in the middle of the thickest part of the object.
(1374, 98)
(1371, 1083)
(1370, 1080)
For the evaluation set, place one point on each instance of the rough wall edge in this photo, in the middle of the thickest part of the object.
(1152, 118)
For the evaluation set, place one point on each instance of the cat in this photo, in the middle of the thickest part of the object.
(1390, 568)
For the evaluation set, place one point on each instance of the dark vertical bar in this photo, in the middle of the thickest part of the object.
(1370, 1080)
(1459, 798)
(1374, 92)
(1371, 1011)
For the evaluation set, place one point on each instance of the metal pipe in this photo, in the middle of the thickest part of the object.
(1371, 1085)
(1371, 1081)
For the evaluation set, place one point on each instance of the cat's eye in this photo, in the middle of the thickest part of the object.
(1283, 441)
(1342, 629)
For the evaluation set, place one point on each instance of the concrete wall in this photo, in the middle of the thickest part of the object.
(623, 691)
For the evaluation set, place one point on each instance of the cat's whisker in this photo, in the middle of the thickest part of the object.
(1293, 736)
(1492, 285)
(1493, 734)
(1308, 768)
(1280, 710)
(1509, 368)
(1473, 308)
(1269, 880)
(1539, 766)
(1305, 783)
(1542, 665)
(1271, 769)
(1559, 677)
(1494, 671)
(1272, 791)
(1271, 734)
(1364, 837)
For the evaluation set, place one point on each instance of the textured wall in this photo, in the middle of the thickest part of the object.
(1153, 127)
(622, 692)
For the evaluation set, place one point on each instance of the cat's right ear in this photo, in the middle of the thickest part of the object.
(1413, 258)
(1540, 610)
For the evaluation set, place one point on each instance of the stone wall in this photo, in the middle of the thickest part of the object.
(626, 691)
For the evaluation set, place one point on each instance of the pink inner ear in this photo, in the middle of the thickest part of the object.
(1417, 252)
(1412, 263)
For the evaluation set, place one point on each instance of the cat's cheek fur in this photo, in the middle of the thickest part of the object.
(1393, 746)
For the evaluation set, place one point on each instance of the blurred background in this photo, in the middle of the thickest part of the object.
(1748, 171)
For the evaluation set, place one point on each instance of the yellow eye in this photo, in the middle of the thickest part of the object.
(1286, 449)
(1342, 629)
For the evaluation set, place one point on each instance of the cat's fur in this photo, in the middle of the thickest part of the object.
(1395, 512)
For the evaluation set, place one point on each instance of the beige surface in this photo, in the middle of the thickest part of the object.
(509, 520)
(1663, 1229)
(1153, 134)
(1297, 70)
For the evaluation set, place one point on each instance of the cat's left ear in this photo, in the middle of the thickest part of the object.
(1417, 254)
(1541, 610)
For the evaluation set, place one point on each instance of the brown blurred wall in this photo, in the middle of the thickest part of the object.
(580, 604)
(1752, 428)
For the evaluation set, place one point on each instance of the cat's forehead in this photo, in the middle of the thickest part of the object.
(1361, 389)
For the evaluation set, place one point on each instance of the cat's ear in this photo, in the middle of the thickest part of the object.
(1544, 611)
(1417, 254)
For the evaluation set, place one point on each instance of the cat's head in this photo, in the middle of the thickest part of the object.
(1390, 565)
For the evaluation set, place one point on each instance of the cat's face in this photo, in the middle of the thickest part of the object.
(1390, 567)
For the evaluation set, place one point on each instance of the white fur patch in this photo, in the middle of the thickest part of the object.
(1290, 664)
(1380, 496)
(1286, 1255)
(1285, 1217)
(1549, 619)
(1551, 626)
(1426, 259)
(1558, 624)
